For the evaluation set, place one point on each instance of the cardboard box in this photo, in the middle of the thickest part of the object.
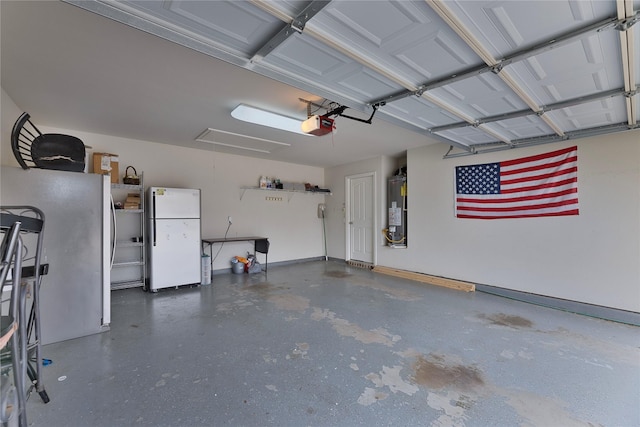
(132, 201)
(106, 164)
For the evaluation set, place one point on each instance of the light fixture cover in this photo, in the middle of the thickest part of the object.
(317, 125)
(258, 116)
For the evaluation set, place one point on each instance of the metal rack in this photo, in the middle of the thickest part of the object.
(128, 251)
(23, 227)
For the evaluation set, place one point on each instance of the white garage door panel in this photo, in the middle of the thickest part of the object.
(608, 112)
(468, 135)
(484, 95)
(235, 24)
(507, 26)
(412, 36)
(581, 68)
(419, 111)
(521, 127)
(301, 54)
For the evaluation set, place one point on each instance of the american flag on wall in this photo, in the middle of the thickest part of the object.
(542, 185)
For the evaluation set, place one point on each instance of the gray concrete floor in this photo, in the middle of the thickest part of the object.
(325, 344)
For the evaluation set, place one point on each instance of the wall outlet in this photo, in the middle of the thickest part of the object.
(230, 221)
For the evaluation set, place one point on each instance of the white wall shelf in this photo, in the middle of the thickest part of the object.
(126, 186)
(129, 211)
(289, 193)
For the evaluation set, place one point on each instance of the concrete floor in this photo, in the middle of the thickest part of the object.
(325, 344)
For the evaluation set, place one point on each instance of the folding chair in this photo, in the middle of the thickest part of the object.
(262, 246)
(33, 149)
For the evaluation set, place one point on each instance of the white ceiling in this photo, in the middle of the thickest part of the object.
(475, 75)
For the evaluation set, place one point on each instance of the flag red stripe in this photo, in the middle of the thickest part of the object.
(519, 199)
(541, 166)
(564, 213)
(540, 186)
(538, 157)
(538, 177)
(520, 208)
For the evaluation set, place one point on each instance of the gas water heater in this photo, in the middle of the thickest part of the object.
(396, 232)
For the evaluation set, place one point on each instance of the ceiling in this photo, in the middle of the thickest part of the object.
(474, 76)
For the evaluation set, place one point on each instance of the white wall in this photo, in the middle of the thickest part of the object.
(293, 228)
(592, 258)
(383, 167)
(9, 113)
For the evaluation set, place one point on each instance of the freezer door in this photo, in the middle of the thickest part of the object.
(175, 202)
(174, 253)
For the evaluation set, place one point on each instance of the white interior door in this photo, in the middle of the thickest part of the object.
(361, 219)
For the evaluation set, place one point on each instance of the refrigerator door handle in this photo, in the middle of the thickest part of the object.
(114, 232)
(154, 218)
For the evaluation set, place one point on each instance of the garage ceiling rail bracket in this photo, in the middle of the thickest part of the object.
(296, 26)
(626, 23)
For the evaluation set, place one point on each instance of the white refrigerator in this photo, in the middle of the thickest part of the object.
(174, 237)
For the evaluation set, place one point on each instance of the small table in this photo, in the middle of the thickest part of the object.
(210, 241)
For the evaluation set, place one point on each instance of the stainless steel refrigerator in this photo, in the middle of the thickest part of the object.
(174, 237)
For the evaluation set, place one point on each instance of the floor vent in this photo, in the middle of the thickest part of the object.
(360, 264)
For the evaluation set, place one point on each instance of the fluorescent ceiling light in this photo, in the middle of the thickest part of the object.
(257, 116)
(240, 141)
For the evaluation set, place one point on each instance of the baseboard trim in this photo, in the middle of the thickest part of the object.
(585, 309)
(271, 264)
